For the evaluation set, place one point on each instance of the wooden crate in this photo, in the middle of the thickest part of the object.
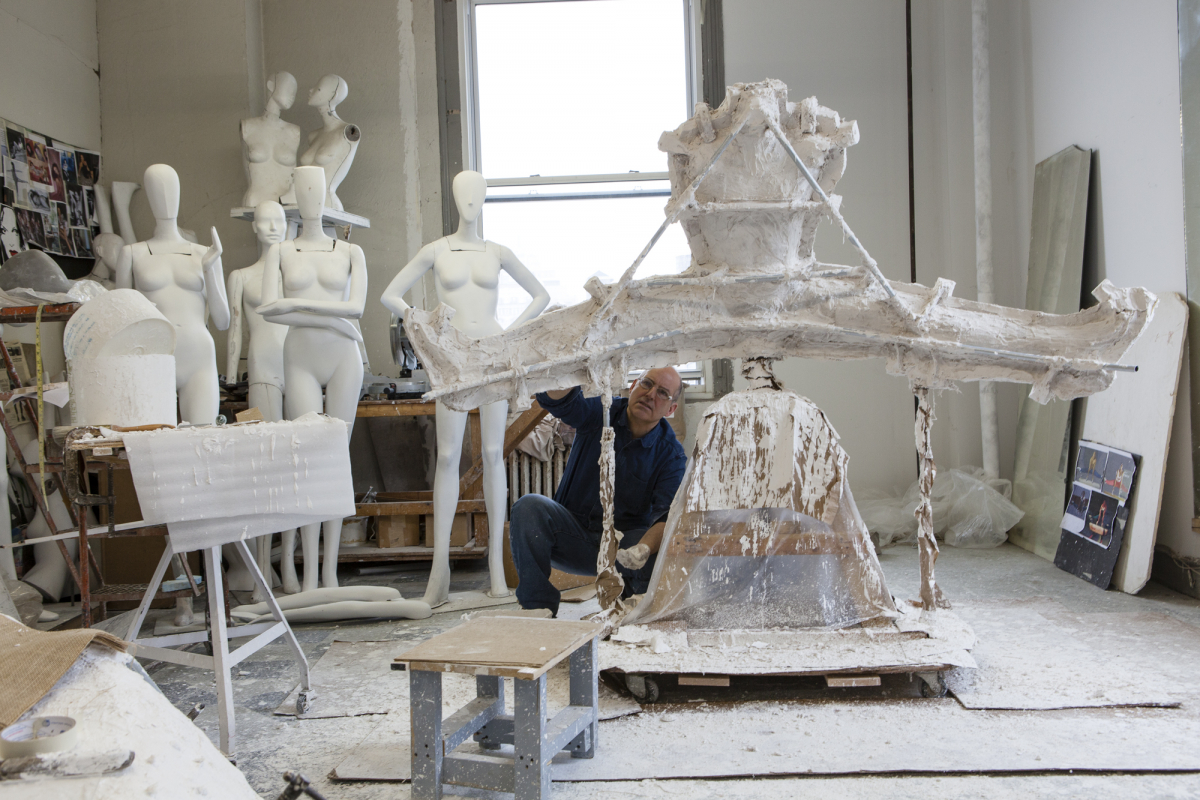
(399, 531)
(460, 531)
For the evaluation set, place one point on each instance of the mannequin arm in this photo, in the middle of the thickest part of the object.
(303, 319)
(393, 295)
(527, 281)
(214, 283)
(233, 349)
(272, 280)
(124, 275)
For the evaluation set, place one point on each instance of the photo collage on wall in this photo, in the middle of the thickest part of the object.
(1103, 481)
(47, 195)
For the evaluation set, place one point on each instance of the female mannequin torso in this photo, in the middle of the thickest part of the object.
(269, 146)
(333, 145)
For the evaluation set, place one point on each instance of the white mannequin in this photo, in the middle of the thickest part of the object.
(122, 196)
(269, 146)
(106, 244)
(264, 363)
(466, 270)
(332, 147)
(186, 282)
(324, 282)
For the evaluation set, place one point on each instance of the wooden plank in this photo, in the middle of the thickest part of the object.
(55, 313)
(704, 680)
(851, 681)
(354, 554)
(524, 646)
(407, 508)
(399, 408)
(522, 426)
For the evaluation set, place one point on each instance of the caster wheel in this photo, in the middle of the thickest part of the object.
(643, 687)
(933, 685)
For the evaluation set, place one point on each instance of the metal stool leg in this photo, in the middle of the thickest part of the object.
(425, 697)
(529, 717)
(220, 648)
(585, 692)
(489, 686)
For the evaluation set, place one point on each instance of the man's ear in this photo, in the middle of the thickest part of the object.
(671, 410)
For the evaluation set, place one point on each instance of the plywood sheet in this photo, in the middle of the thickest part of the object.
(1135, 414)
(518, 642)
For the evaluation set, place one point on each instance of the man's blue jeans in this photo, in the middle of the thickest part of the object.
(545, 534)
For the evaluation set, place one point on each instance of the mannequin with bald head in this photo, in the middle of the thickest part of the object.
(269, 146)
(333, 145)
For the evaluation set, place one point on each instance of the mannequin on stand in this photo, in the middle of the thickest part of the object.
(466, 271)
(333, 146)
(186, 282)
(269, 146)
(324, 284)
(265, 367)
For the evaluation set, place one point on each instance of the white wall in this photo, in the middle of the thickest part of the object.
(852, 56)
(49, 60)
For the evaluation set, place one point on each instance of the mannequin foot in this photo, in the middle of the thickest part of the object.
(291, 584)
(434, 598)
(499, 591)
(329, 578)
(183, 612)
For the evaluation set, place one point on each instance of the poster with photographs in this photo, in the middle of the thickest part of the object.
(47, 199)
(1093, 526)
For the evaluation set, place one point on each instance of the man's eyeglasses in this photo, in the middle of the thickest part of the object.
(661, 395)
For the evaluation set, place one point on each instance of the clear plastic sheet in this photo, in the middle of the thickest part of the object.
(968, 511)
(764, 532)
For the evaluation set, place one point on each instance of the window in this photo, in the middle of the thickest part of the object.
(565, 101)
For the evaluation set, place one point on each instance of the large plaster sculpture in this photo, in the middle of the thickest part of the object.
(264, 362)
(315, 284)
(750, 183)
(332, 146)
(186, 282)
(269, 146)
(466, 271)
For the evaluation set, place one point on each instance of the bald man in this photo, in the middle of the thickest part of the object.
(565, 532)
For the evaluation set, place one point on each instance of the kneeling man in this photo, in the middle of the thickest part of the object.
(565, 532)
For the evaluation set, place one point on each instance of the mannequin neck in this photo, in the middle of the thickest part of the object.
(167, 230)
(311, 230)
(329, 117)
(273, 109)
(468, 232)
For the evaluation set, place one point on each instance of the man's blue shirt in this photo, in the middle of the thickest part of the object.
(649, 469)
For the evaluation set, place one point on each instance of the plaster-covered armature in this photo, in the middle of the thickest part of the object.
(466, 271)
(187, 283)
(269, 146)
(315, 284)
(332, 146)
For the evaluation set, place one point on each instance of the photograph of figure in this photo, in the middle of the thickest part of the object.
(35, 156)
(16, 175)
(7, 194)
(66, 159)
(50, 227)
(1074, 520)
(10, 237)
(29, 223)
(87, 167)
(89, 198)
(1089, 468)
(82, 242)
(64, 229)
(78, 213)
(57, 189)
(1118, 474)
(39, 198)
(16, 144)
(1100, 514)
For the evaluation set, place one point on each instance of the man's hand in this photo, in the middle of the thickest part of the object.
(635, 557)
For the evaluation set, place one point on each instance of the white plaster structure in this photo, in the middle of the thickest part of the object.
(332, 146)
(269, 146)
(750, 184)
(186, 282)
(264, 363)
(315, 284)
(466, 271)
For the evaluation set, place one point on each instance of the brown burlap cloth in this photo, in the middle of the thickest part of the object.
(32, 661)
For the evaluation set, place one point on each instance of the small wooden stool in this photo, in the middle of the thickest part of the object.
(492, 648)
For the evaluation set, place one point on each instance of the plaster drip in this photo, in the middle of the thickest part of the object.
(931, 593)
(609, 583)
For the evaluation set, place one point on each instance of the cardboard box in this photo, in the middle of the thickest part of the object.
(460, 532)
(399, 531)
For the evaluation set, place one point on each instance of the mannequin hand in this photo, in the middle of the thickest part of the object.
(213, 252)
(635, 557)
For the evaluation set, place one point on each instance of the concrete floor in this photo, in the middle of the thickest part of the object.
(268, 744)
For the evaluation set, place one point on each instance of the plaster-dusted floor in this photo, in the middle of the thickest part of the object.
(269, 744)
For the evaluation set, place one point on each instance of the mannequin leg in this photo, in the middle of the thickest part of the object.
(262, 557)
(8, 567)
(341, 401)
(122, 194)
(450, 428)
(267, 398)
(303, 396)
(310, 540)
(199, 395)
(492, 419)
(287, 563)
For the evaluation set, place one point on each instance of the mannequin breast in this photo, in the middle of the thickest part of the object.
(271, 141)
(172, 281)
(329, 148)
(468, 281)
(315, 274)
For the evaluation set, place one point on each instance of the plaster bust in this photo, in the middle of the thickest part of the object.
(333, 145)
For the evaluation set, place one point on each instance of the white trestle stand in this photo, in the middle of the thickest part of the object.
(217, 485)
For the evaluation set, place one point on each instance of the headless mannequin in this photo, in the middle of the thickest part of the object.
(333, 146)
(269, 146)
(106, 244)
(324, 284)
(186, 282)
(265, 365)
(466, 271)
